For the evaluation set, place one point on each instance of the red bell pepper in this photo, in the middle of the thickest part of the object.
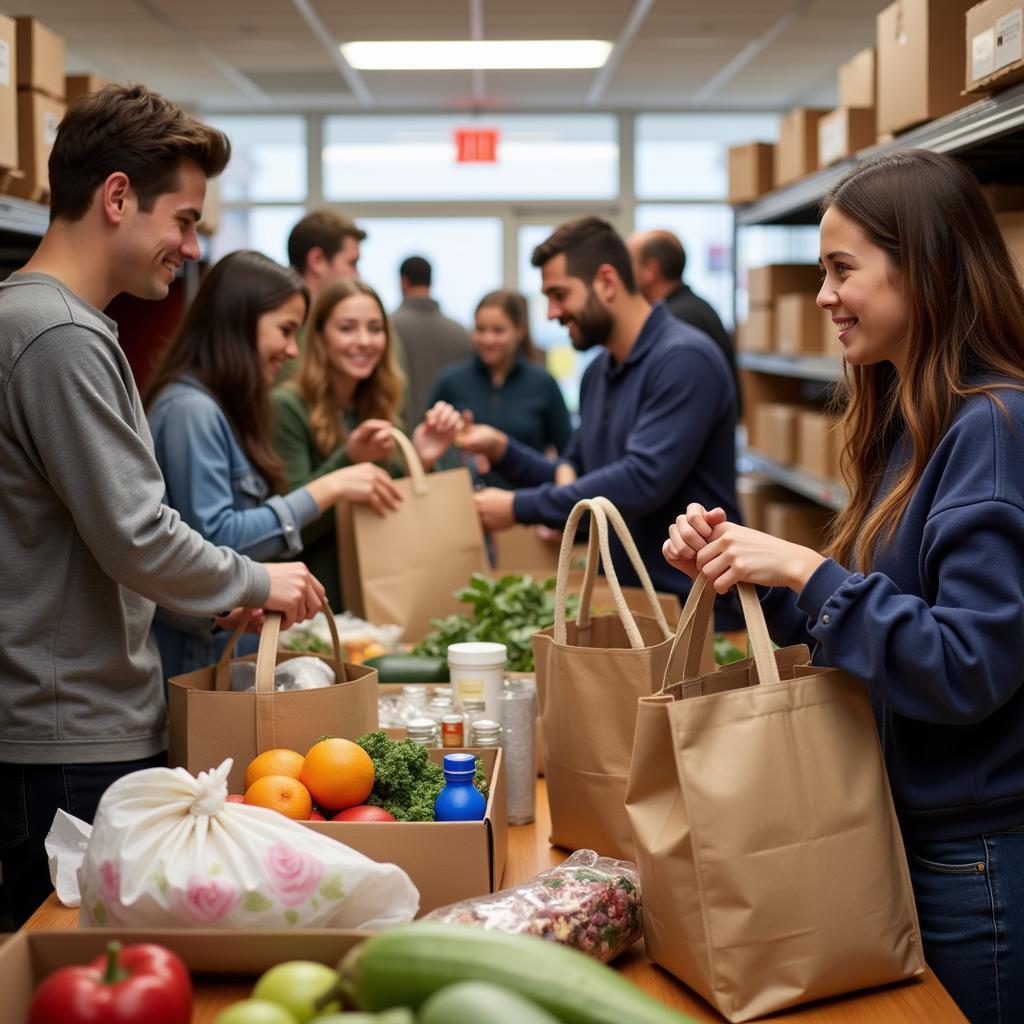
(142, 984)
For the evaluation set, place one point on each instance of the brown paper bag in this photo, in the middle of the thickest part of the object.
(590, 675)
(208, 721)
(405, 567)
(770, 856)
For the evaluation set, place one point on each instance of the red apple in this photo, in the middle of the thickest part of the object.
(235, 798)
(364, 812)
(316, 816)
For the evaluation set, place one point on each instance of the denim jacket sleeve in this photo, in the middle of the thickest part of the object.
(214, 486)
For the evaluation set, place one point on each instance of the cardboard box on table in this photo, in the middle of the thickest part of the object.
(751, 171)
(857, 79)
(796, 152)
(995, 57)
(40, 58)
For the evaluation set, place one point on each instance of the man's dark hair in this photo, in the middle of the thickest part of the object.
(416, 270)
(130, 129)
(667, 251)
(322, 229)
(588, 242)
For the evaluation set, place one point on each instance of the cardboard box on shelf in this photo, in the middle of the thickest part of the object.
(766, 284)
(818, 444)
(446, 860)
(754, 492)
(920, 62)
(857, 80)
(38, 118)
(760, 388)
(995, 58)
(796, 153)
(1011, 224)
(757, 332)
(40, 58)
(8, 95)
(843, 132)
(797, 324)
(77, 86)
(30, 956)
(776, 431)
(751, 171)
(798, 521)
(830, 345)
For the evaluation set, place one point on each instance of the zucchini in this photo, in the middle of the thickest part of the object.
(479, 1001)
(409, 668)
(396, 1016)
(405, 965)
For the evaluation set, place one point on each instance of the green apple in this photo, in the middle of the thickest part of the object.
(297, 985)
(255, 1011)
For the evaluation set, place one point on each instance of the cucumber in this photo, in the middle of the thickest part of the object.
(396, 1016)
(409, 668)
(479, 1001)
(405, 965)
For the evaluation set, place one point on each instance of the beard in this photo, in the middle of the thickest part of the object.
(594, 324)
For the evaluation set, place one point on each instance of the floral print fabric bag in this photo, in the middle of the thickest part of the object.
(168, 850)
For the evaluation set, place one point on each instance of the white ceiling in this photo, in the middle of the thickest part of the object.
(669, 54)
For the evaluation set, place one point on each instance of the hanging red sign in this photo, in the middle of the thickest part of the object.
(476, 145)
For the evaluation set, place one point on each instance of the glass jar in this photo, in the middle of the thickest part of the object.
(485, 733)
(422, 731)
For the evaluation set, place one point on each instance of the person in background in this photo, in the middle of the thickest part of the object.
(432, 341)
(340, 408)
(88, 548)
(657, 410)
(921, 593)
(505, 384)
(208, 403)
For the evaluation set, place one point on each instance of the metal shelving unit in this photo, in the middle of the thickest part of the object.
(818, 368)
(826, 492)
(23, 218)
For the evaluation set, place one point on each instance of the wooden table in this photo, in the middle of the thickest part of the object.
(921, 1001)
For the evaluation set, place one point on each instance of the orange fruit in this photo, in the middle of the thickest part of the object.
(281, 793)
(278, 761)
(339, 773)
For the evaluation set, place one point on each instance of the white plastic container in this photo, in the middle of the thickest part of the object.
(477, 669)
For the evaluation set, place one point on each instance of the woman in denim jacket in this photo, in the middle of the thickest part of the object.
(209, 411)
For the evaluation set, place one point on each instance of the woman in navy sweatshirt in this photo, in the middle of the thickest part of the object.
(921, 593)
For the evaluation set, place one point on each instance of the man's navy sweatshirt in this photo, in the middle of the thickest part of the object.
(656, 432)
(936, 629)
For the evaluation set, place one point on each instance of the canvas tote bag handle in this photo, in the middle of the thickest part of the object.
(599, 526)
(417, 474)
(685, 656)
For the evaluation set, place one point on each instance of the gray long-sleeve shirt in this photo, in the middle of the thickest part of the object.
(86, 545)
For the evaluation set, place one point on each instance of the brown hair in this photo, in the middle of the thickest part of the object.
(513, 305)
(966, 318)
(380, 396)
(322, 229)
(216, 344)
(127, 128)
(588, 243)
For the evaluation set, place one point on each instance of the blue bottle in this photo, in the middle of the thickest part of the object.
(460, 800)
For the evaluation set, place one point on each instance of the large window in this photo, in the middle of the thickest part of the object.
(268, 158)
(264, 228)
(572, 156)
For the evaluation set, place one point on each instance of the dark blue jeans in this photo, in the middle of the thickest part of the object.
(29, 797)
(970, 899)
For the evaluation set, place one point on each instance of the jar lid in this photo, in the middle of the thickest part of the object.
(477, 654)
(427, 724)
(460, 764)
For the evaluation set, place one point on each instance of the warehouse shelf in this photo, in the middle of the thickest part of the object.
(820, 368)
(825, 492)
(19, 217)
(988, 135)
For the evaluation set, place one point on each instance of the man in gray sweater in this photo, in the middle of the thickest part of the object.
(87, 546)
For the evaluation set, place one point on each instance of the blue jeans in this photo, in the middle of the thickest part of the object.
(970, 900)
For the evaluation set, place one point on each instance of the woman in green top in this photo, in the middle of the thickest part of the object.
(340, 407)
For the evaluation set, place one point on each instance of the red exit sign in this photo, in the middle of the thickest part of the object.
(476, 145)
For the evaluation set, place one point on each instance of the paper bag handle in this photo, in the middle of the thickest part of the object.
(417, 474)
(694, 622)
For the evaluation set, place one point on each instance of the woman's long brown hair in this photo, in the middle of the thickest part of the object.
(216, 344)
(380, 396)
(966, 321)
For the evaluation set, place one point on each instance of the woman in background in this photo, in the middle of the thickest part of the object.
(209, 412)
(341, 406)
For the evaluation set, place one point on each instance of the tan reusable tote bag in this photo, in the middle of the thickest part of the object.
(769, 852)
(590, 674)
(209, 721)
(406, 566)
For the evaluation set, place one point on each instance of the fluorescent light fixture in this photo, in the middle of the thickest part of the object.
(473, 54)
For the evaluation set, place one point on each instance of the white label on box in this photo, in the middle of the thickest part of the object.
(1008, 33)
(832, 140)
(5, 63)
(983, 54)
(50, 122)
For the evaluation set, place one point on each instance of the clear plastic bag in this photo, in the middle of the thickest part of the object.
(294, 674)
(360, 639)
(588, 902)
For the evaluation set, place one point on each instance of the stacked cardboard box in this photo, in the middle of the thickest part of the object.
(8, 95)
(851, 126)
(754, 493)
(40, 104)
(818, 443)
(751, 171)
(994, 56)
(782, 314)
(796, 153)
(798, 521)
(77, 86)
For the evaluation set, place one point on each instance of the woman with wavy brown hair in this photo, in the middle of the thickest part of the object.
(921, 593)
(340, 408)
